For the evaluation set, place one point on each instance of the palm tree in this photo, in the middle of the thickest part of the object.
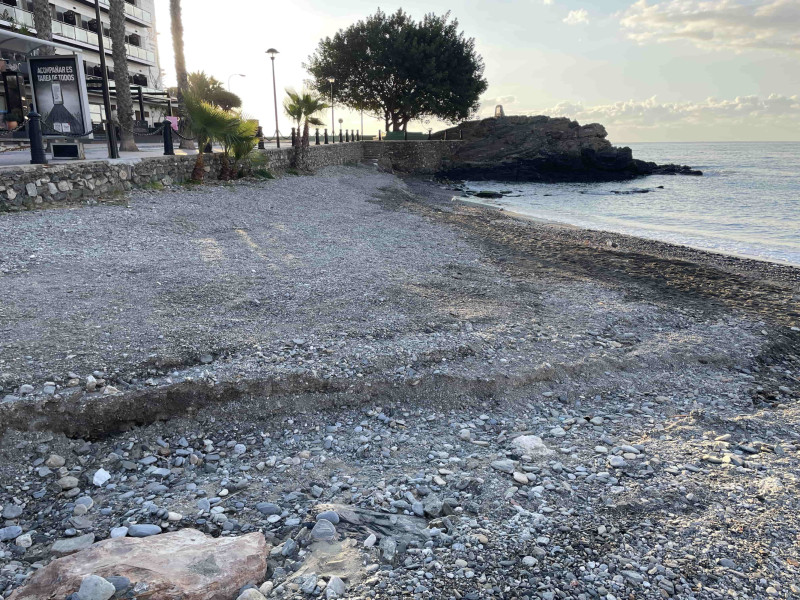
(301, 108)
(43, 21)
(209, 123)
(180, 59)
(122, 83)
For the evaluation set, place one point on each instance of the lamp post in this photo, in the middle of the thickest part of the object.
(232, 76)
(272, 52)
(113, 151)
(333, 121)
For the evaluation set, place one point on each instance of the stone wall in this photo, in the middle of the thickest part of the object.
(32, 186)
(424, 157)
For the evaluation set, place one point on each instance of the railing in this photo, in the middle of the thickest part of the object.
(89, 37)
(22, 17)
(133, 11)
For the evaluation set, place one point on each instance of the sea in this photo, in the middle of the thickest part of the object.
(747, 202)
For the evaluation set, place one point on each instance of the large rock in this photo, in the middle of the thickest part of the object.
(543, 149)
(185, 565)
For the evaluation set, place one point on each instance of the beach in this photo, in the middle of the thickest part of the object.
(394, 346)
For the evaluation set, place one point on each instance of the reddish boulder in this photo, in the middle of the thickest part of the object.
(185, 565)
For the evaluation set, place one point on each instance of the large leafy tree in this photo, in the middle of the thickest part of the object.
(122, 84)
(401, 69)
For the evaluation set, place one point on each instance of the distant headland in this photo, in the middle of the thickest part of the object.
(546, 149)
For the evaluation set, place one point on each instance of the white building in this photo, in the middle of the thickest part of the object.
(75, 24)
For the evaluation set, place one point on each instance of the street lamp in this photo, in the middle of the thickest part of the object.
(272, 52)
(333, 121)
(232, 76)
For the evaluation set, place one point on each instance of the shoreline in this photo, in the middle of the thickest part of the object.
(551, 222)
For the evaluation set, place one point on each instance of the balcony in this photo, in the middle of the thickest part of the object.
(133, 11)
(88, 37)
(23, 17)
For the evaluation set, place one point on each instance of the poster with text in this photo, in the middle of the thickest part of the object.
(60, 96)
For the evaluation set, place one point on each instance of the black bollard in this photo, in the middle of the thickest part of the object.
(316, 136)
(461, 134)
(208, 149)
(430, 134)
(169, 147)
(35, 134)
(405, 132)
(341, 139)
(261, 144)
(293, 137)
(358, 135)
(326, 135)
(444, 137)
(379, 135)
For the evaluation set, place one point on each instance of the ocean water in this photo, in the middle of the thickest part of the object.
(747, 202)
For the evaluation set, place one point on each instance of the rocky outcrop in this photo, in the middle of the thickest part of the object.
(185, 565)
(544, 149)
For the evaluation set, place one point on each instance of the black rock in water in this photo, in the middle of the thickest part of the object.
(544, 149)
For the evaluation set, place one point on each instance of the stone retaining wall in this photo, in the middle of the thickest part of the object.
(32, 186)
(424, 157)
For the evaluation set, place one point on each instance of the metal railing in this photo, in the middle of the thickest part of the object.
(89, 37)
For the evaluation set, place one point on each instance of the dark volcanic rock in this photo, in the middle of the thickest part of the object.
(544, 149)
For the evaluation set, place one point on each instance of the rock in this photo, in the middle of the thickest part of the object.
(67, 483)
(26, 389)
(55, 461)
(267, 508)
(11, 511)
(617, 462)
(91, 383)
(505, 465)
(119, 532)
(96, 588)
(143, 530)
(101, 477)
(72, 545)
(520, 478)
(370, 541)
(323, 530)
(251, 594)
(24, 541)
(329, 515)
(336, 585)
(531, 445)
(185, 565)
(10, 533)
(545, 149)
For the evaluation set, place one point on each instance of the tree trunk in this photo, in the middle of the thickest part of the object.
(122, 83)
(43, 21)
(199, 172)
(180, 59)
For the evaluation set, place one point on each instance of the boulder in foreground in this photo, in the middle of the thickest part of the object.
(185, 565)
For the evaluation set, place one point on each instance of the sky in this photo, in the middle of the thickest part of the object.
(649, 70)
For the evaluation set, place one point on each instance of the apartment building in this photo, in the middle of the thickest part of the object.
(75, 24)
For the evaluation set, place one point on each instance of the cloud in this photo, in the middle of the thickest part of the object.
(737, 25)
(575, 17)
(547, 2)
(774, 110)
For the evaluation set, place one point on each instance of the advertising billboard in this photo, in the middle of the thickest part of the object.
(60, 96)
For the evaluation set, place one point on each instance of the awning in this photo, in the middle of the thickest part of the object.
(28, 45)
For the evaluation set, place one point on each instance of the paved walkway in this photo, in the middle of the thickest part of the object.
(95, 151)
